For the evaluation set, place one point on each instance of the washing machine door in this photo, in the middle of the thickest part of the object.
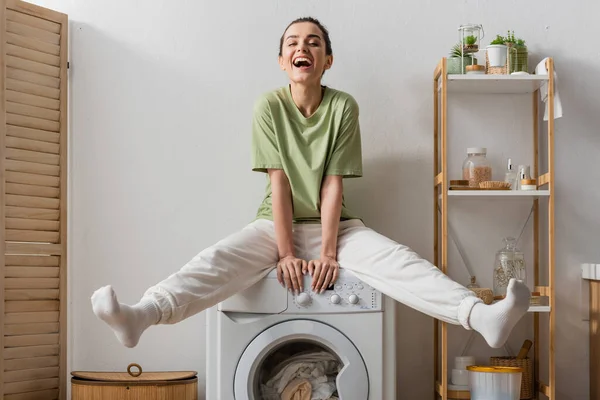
(352, 381)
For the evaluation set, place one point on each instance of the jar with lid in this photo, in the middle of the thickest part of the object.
(510, 263)
(476, 167)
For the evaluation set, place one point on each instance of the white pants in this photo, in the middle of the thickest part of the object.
(243, 258)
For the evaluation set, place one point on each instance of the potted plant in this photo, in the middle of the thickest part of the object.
(470, 44)
(496, 52)
(458, 60)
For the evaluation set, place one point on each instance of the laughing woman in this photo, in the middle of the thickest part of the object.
(307, 138)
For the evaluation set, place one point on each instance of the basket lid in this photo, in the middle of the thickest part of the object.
(505, 370)
(134, 375)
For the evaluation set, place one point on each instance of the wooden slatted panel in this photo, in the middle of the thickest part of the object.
(32, 66)
(31, 179)
(33, 214)
(30, 374)
(31, 272)
(30, 283)
(31, 156)
(49, 249)
(32, 55)
(32, 122)
(33, 145)
(16, 75)
(32, 261)
(36, 89)
(32, 100)
(29, 305)
(29, 386)
(32, 111)
(33, 21)
(3, 88)
(33, 168)
(30, 351)
(32, 44)
(30, 363)
(51, 394)
(32, 224)
(26, 133)
(31, 294)
(30, 329)
(30, 190)
(13, 235)
(31, 202)
(32, 32)
(30, 340)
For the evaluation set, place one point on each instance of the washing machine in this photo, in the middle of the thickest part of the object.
(253, 334)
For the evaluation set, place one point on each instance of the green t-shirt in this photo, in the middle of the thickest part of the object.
(307, 149)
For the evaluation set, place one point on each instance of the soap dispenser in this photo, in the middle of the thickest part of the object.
(511, 175)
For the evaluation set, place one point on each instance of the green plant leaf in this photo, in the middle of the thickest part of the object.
(499, 40)
(470, 39)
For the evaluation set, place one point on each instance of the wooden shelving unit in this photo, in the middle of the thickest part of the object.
(495, 84)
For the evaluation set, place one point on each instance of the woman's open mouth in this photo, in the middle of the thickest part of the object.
(302, 63)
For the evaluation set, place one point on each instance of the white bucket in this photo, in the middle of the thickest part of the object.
(494, 383)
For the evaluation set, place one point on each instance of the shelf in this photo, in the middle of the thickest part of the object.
(516, 84)
(539, 309)
(455, 87)
(498, 193)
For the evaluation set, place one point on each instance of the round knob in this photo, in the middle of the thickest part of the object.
(353, 299)
(303, 299)
(335, 299)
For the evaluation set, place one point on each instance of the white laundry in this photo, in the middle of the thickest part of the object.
(319, 368)
(541, 69)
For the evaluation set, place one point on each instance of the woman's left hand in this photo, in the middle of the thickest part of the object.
(324, 272)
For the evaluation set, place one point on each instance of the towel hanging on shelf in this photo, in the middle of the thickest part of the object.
(541, 69)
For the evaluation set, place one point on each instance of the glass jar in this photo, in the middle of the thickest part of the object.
(473, 284)
(510, 263)
(470, 36)
(476, 167)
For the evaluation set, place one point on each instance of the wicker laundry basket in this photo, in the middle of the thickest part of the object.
(526, 378)
(134, 385)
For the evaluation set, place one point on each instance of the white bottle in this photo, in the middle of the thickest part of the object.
(511, 176)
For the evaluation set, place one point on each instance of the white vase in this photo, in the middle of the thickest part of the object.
(497, 55)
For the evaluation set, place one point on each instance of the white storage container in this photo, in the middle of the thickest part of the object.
(494, 383)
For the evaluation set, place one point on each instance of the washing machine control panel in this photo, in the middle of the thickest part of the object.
(347, 294)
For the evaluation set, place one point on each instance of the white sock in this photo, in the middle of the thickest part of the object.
(495, 322)
(128, 322)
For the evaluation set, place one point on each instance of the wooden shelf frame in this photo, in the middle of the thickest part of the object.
(545, 192)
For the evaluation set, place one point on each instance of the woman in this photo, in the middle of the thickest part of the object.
(306, 137)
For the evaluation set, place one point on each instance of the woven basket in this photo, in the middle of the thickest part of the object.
(526, 377)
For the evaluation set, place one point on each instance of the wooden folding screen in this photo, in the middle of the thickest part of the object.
(33, 182)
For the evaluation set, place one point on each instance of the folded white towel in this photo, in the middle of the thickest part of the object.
(541, 69)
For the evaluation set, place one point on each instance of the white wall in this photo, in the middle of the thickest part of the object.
(161, 99)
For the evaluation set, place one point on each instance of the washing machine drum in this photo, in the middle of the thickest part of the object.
(352, 382)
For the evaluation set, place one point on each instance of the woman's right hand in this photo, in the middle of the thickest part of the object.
(289, 273)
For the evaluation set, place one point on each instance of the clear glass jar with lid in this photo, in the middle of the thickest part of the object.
(476, 167)
(510, 263)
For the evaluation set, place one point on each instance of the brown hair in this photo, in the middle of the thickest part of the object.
(328, 49)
